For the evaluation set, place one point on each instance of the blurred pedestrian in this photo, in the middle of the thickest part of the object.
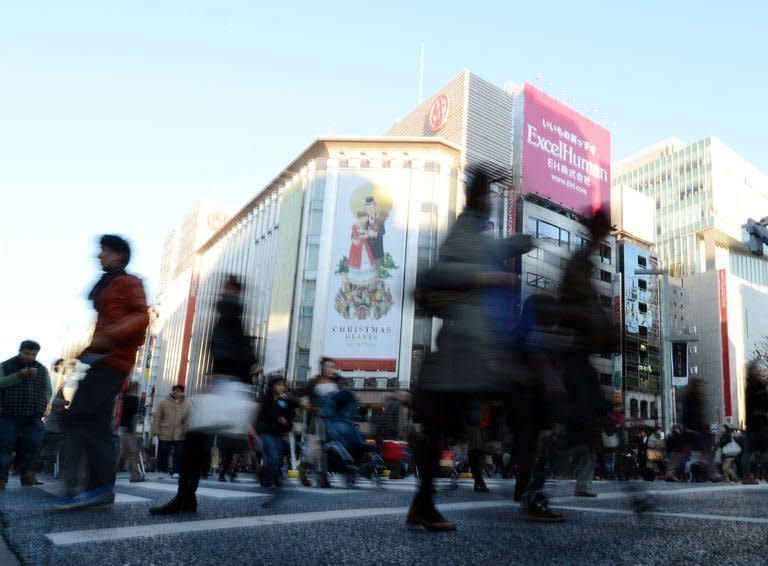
(470, 359)
(25, 389)
(697, 429)
(129, 408)
(169, 427)
(275, 420)
(121, 323)
(314, 394)
(756, 419)
(233, 360)
(596, 333)
(675, 454)
(729, 450)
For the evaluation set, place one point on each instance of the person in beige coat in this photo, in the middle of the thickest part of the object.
(169, 426)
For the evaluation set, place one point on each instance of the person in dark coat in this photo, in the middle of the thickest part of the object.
(696, 427)
(231, 348)
(583, 315)
(470, 358)
(274, 422)
(756, 419)
(232, 361)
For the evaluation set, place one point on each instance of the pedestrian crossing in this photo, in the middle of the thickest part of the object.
(246, 487)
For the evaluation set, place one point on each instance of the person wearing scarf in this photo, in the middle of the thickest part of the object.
(121, 322)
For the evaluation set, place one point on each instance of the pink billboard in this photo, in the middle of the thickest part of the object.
(566, 157)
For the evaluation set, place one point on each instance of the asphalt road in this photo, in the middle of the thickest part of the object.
(690, 524)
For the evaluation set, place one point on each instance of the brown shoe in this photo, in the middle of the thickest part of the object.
(29, 479)
(430, 519)
(751, 480)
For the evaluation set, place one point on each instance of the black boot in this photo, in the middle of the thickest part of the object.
(176, 506)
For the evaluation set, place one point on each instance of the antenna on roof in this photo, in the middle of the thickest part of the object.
(421, 72)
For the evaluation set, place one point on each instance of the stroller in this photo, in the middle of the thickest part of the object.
(344, 447)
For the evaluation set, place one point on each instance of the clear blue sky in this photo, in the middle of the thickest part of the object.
(117, 116)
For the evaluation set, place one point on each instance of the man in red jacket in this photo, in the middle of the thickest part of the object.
(122, 320)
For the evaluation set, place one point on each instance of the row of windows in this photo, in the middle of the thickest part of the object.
(641, 409)
(560, 237)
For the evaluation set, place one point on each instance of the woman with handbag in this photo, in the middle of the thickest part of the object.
(729, 449)
(227, 408)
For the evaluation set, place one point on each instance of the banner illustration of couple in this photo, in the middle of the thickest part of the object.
(364, 292)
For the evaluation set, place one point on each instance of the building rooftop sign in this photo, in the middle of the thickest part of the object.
(565, 157)
(438, 113)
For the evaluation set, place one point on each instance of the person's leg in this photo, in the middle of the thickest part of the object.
(226, 451)
(586, 458)
(89, 426)
(270, 470)
(434, 408)
(31, 435)
(178, 450)
(193, 461)
(746, 458)
(163, 451)
(129, 452)
(8, 433)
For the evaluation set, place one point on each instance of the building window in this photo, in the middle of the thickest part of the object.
(642, 284)
(605, 276)
(641, 261)
(642, 307)
(605, 254)
(541, 282)
(654, 410)
(581, 242)
(606, 302)
(644, 410)
(549, 232)
(642, 330)
(605, 379)
(633, 408)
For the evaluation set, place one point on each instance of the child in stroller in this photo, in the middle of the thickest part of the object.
(345, 447)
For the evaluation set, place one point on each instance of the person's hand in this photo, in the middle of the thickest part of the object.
(282, 421)
(23, 372)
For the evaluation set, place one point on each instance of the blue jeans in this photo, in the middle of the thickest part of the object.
(163, 449)
(29, 431)
(272, 448)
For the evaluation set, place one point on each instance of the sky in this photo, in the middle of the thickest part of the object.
(116, 117)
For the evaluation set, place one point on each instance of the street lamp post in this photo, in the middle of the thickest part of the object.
(666, 372)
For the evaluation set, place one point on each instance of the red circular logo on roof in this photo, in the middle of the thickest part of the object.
(438, 113)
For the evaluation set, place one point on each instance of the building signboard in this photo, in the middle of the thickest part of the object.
(366, 277)
(565, 156)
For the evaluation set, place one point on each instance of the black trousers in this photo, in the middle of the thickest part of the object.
(195, 461)
(89, 456)
(442, 414)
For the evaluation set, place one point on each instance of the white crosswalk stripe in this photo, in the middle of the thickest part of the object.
(57, 488)
(171, 487)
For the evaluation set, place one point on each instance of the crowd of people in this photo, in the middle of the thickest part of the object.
(533, 369)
